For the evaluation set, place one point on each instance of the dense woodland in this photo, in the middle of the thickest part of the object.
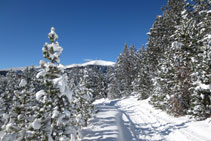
(173, 70)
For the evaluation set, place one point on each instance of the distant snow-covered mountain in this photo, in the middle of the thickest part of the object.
(90, 63)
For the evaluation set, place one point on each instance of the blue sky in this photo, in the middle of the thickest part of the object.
(87, 29)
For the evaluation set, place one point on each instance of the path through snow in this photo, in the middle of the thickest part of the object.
(133, 120)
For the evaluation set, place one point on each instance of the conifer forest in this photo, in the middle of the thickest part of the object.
(171, 74)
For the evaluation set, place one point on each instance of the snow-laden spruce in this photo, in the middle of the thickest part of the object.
(18, 102)
(39, 105)
(82, 100)
(53, 117)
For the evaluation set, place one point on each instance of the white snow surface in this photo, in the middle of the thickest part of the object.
(36, 124)
(39, 95)
(132, 120)
(62, 84)
(93, 62)
(22, 83)
(201, 86)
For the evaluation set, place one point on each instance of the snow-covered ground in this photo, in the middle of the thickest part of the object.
(132, 120)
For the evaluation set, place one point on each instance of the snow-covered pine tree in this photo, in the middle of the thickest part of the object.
(142, 82)
(133, 59)
(26, 97)
(123, 70)
(82, 101)
(200, 103)
(74, 76)
(21, 112)
(90, 77)
(53, 114)
(191, 62)
(118, 78)
(183, 50)
(155, 57)
(3, 84)
(6, 105)
(161, 38)
(101, 85)
(114, 81)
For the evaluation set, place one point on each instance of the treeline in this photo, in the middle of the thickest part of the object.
(174, 69)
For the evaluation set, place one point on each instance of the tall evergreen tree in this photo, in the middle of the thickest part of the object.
(163, 76)
(142, 81)
(114, 85)
(201, 76)
(21, 112)
(53, 113)
(82, 101)
(7, 97)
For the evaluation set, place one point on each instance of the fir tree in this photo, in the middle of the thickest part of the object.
(113, 83)
(201, 93)
(7, 97)
(82, 101)
(21, 112)
(53, 113)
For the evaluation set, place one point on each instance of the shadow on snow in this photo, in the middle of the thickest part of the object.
(127, 129)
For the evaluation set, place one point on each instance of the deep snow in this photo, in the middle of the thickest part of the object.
(132, 120)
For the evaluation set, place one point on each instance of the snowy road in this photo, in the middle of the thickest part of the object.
(109, 124)
(132, 120)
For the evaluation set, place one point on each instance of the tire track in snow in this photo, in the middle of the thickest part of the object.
(146, 129)
(124, 132)
(127, 126)
(159, 125)
(185, 132)
(123, 120)
(103, 126)
(140, 128)
(107, 118)
(151, 121)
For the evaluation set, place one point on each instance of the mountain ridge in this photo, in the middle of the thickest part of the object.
(89, 63)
